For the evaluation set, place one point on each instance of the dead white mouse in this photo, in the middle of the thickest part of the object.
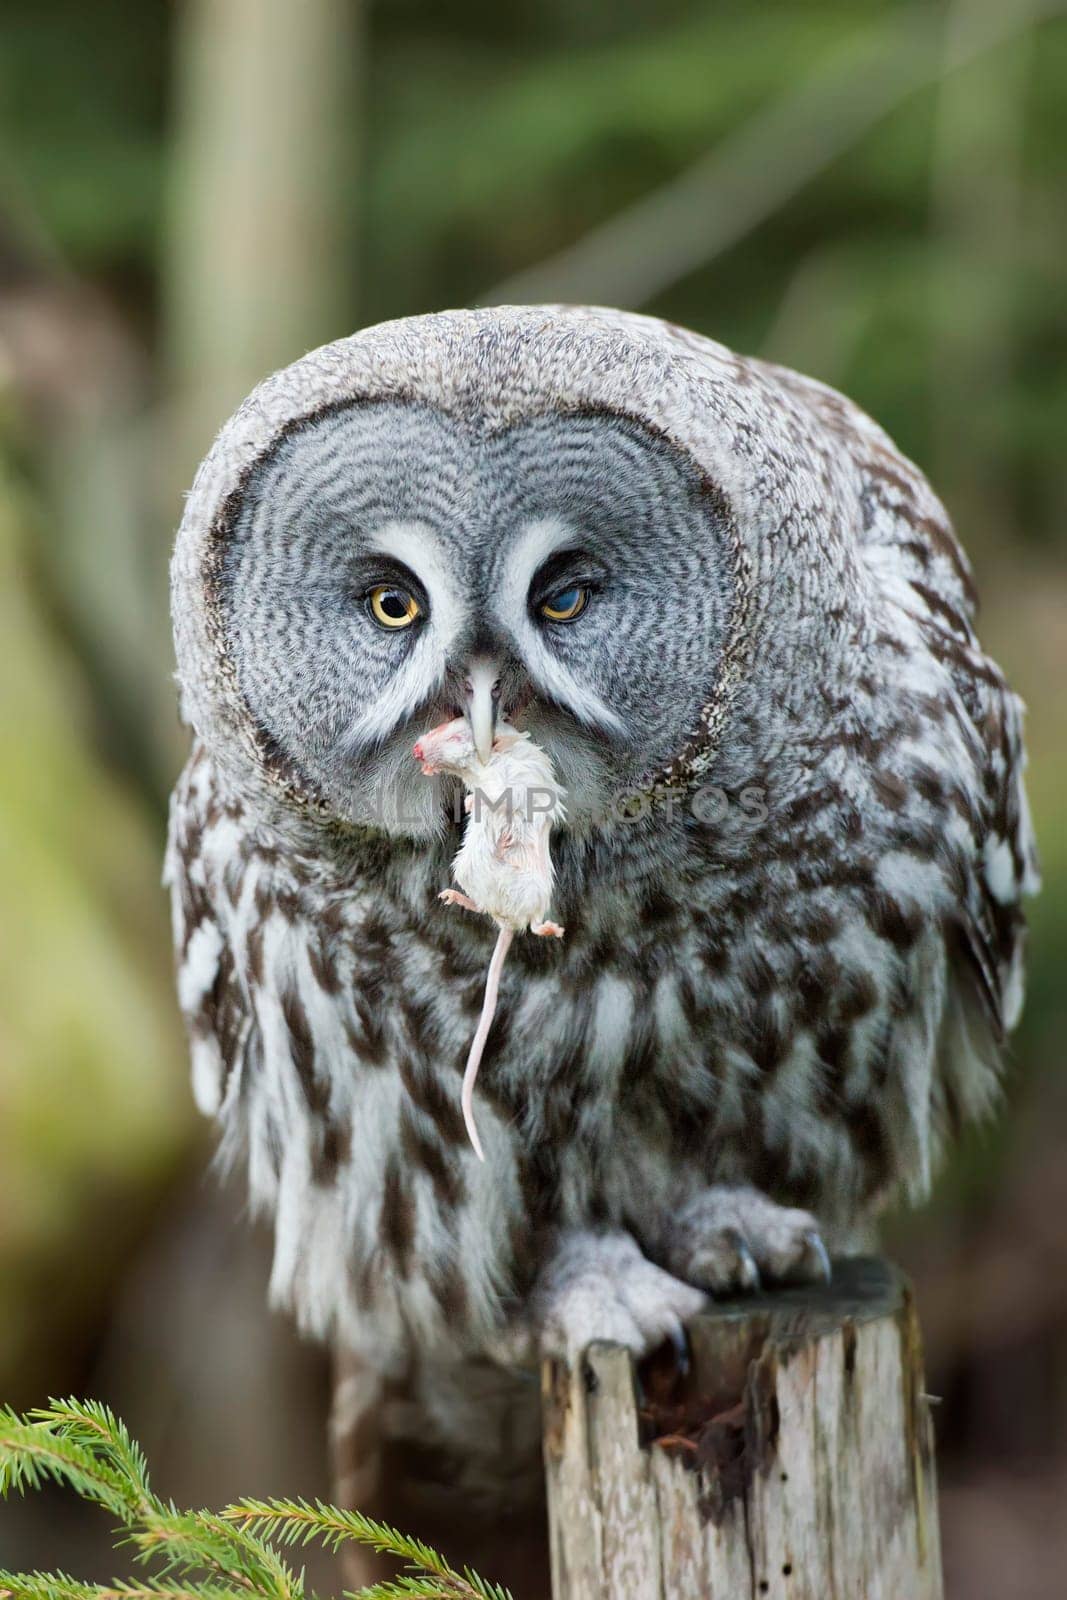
(504, 865)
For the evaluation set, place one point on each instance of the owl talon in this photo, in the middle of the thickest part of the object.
(732, 1239)
(679, 1340)
(598, 1286)
(749, 1272)
(817, 1249)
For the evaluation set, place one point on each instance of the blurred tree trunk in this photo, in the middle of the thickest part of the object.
(258, 268)
(96, 1116)
(259, 264)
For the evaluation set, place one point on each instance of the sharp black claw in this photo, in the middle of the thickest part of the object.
(821, 1254)
(680, 1341)
(750, 1272)
(748, 1276)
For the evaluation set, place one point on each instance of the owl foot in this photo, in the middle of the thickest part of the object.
(598, 1286)
(731, 1238)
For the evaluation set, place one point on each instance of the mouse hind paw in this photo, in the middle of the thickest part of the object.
(452, 897)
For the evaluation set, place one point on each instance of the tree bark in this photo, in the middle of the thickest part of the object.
(794, 1460)
(263, 194)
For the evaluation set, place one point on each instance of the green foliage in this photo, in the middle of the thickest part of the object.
(199, 1555)
(490, 137)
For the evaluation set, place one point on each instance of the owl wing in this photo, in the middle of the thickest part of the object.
(218, 1020)
(992, 927)
(985, 932)
(932, 583)
(906, 535)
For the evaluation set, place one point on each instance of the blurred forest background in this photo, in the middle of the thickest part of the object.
(192, 194)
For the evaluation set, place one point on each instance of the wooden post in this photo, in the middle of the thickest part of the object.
(794, 1460)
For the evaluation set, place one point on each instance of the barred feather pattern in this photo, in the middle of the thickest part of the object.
(810, 996)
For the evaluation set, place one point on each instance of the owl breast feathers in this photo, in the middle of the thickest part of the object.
(702, 583)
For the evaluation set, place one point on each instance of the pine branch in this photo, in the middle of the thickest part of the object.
(59, 1586)
(80, 1443)
(44, 1586)
(432, 1588)
(184, 1542)
(427, 1588)
(298, 1522)
(93, 1424)
(30, 1452)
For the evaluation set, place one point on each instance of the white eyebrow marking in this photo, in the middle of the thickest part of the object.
(538, 540)
(417, 546)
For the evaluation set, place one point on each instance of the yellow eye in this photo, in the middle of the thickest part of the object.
(393, 608)
(566, 605)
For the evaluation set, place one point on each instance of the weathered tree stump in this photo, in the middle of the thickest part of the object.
(794, 1460)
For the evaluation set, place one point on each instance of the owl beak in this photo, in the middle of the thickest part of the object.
(483, 699)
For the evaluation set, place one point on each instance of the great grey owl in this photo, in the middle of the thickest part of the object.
(739, 623)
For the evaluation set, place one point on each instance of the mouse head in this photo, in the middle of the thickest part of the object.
(446, 748)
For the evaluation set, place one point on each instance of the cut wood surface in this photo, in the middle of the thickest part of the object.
(793, 1460)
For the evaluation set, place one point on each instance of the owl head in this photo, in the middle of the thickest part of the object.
(530, 514)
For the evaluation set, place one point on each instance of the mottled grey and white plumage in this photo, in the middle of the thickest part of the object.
(768, 1010)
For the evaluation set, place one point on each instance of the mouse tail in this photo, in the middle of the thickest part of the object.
(485, 1022)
